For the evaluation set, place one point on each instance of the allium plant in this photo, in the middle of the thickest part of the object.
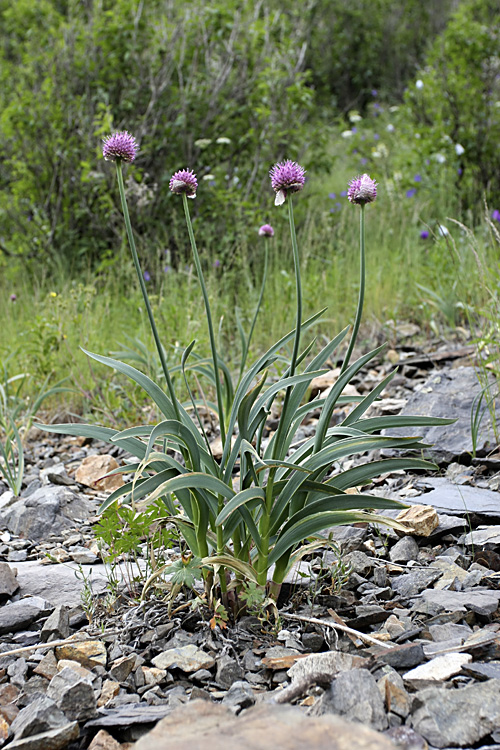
(264, 503)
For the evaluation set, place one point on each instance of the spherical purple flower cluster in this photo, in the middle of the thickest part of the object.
(362, 189)
(184, 181)
(286, 177)
(266, 230)
(120, 146)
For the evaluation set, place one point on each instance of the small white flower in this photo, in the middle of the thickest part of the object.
(459, 150)
(208, 177)
(390, 128)
(442, 230)
(354, 117)
(419, 84)
(394, 108)
(223, 140)
(203, 142)
(440, 158)
(346, 134)
(417, 136)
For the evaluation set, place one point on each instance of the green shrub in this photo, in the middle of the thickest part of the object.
(181, 76)
(457, 110)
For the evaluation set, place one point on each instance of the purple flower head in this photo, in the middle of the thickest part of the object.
(332, 196)
(167, 268)
(217, 263)
(411, 192)
(147, 276)
(184, 181)
(120, 147)
(266, 230)
(424, 235)
(495, 216)
(286, 177)
(362, 189)
(418, 178)
(343, 193)
(374, 92)
(13, 297)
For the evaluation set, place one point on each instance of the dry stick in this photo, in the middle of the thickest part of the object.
(337, 626)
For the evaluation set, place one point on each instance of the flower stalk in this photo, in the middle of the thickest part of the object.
(135, 257)
(361, 294)
(211, 334)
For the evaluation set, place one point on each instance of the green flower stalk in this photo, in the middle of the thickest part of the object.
(362, 190)
(122, 147)
(185, 183)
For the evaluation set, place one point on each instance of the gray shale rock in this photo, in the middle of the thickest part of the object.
(46, 511)
(56, 627)
(52, 739)
(480, 600)
(8, 581)
(458, 499)
(22, 614)
(449, 393)
(457, 718)
(405, 550)
(355, 696)
(411, 584)
(39, 716)
(73, 694)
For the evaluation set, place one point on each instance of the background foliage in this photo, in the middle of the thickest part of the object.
(271, 79)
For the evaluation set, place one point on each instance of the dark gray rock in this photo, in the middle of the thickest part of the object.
(39, 716)
(21, 614)
(405, 550)
(411, 584)
(399, 657)
(450, 393)
(73, 694)
(228, 671)
(46, 511)
(355, 696)
(56, 626)
(358, 562)
(8, 581)
(52, 739)
(239, 696)
(17, 672)
(128, 715)
(451, 718)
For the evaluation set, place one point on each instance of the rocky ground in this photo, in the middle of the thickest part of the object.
(399, 649)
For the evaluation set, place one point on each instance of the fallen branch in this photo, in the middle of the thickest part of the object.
(336, 626)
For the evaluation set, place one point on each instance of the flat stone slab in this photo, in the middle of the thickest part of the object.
(449, 393)
(480, 600)
(458, 499)
(483, 535)
(59, 584)
(200, 725)
(438, 669)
